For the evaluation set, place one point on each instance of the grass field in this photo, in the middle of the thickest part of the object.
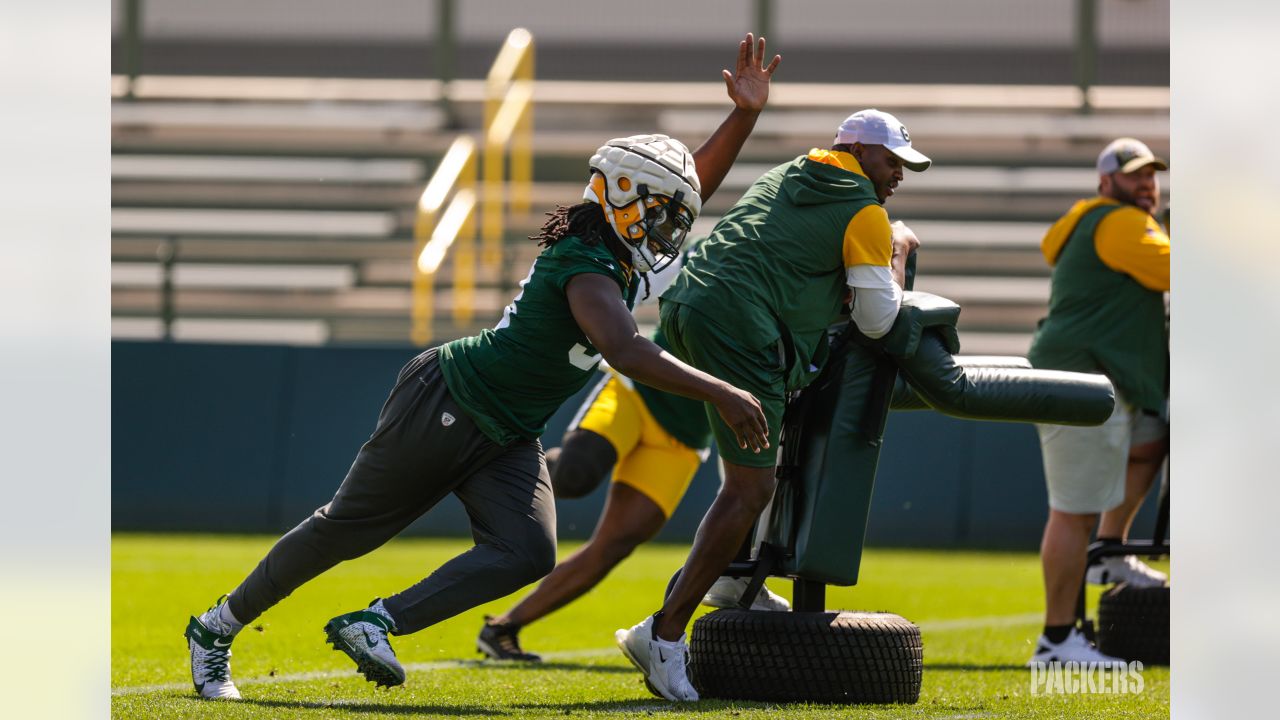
(979, 614)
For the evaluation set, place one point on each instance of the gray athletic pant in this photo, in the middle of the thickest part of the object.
(416, 456)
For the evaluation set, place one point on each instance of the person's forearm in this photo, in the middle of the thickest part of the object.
(898, 265)
(646, 363)
(714, 158)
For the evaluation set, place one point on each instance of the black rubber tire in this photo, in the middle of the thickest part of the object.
(827, 657)
(1133, 623)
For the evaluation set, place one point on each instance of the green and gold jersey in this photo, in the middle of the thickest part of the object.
(774, 267)
(512, 378)
(1106, 303)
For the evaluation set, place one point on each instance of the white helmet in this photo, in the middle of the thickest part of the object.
(649, 191)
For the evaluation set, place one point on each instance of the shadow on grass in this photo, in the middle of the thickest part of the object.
(649, 706)
(561, 665)
(379, 707)
(629, 708)
(965, 667)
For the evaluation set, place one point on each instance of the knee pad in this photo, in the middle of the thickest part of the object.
(580, 464)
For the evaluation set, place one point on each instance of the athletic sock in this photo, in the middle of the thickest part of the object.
(220, 620)
(381, 609)
(1110, 540)
(1057, 633)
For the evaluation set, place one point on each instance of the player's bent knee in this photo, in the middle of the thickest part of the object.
(539, 561)
(535, 557)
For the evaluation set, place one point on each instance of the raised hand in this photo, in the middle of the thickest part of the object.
(748, 85)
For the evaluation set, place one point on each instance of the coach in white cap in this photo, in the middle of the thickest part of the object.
(752, 306)
(882, 146)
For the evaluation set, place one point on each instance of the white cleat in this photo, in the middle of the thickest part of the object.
(1074, 649)
(362, 636)
(663, 662)
(1125, 569)
(211, 660)
(726, 592)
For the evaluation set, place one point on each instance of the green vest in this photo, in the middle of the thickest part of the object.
(1103, 321)
(685, 418)
(512, 378)
(772, 270)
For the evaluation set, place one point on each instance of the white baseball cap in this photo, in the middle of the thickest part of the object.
(1126, 155)
(873, 127)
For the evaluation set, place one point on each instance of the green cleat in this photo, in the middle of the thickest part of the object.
(362, 635)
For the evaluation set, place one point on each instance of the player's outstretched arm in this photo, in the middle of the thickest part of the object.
(748, 87)
(593, 299)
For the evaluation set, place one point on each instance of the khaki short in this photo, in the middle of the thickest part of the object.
(1084, 467)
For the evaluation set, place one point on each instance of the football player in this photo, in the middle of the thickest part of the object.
(654, 442)
(465, 417)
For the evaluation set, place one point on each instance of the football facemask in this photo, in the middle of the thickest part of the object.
(666, 224)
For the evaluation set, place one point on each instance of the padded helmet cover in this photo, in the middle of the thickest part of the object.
(623, 170)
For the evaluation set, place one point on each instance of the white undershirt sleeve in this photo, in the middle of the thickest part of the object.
(876, 298)
(660, 281)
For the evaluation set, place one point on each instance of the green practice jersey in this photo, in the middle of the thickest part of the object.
(512, 378)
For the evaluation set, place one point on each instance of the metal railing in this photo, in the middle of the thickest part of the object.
(455, 176)
(508, 128)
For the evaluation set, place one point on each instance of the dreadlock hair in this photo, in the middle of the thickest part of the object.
(586, 221)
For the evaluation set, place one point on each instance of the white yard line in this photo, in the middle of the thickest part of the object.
(977, 622)
(936, 626)
(336, 674)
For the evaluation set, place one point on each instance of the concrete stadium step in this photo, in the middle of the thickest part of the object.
(284, 332)
(253, 222)
(374, 262)
(260, 169)
(381, 117)
(262, 249)
(973, 289)
(235, 276)
(609, 94)
(224, 330)
(289, 202)
(350, 115)
(931, 128)
(248, 194)
(355, 302)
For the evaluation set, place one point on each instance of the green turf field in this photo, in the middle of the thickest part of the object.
(979, 614)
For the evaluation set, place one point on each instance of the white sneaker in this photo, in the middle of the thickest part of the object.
(1125, 569)
(726, 592)
(663, 662)
(1074, 649)
(362, 635)
(210, 646)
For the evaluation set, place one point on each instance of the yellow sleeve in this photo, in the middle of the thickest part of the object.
(868, 239)
(1132, 242)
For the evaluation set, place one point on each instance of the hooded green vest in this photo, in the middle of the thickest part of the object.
(772, 270)
(1103, 321)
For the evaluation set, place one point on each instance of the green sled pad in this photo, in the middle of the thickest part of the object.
(1010, 394)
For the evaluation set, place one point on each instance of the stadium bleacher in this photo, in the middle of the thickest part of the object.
(286, 205)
